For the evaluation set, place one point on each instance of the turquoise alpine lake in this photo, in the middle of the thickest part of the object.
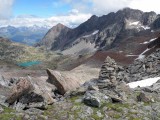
(29, 64)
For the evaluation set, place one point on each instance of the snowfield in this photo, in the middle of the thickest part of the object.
(134, 23)
(143, 83)
(146, 42)
(141, 56)
(94, 33)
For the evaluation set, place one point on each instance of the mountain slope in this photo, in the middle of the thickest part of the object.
(104, 32)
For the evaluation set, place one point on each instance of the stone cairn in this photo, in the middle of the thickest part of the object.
(108, 73)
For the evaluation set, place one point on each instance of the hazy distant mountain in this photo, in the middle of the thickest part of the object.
(26, 35)
(102, 32)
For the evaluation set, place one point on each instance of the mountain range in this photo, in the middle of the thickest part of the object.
(26, 35)
(103, 33)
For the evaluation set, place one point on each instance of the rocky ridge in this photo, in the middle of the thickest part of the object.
(104, 32)
(145, 68)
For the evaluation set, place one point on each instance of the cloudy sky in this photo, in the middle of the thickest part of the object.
(68, 12)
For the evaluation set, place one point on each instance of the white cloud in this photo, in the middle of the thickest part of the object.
(73, 19)
(146, 5)
(101, 7)
(6, 8)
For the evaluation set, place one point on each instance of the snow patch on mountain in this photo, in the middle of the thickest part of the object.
(152, 39)
(141, 56)
(131, 55)
(144, 83)
(145, 27)
(134, 23)
(94, 33)
(146, 42)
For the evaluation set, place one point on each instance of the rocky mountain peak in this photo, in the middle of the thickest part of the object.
(129, 13)
(59, 27)
(56, 31)
(93, 17)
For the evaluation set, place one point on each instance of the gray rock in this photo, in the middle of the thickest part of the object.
(116, 99)
(99, 114)
(89, 111)
(91, 87)
(1, 109)
(26, 117)
(63, 81)
(79, 91)
(38, 105)
(142, 97)
(94, 98)
(18, 106)
(146, 68)
(34, 111)
(3, 81)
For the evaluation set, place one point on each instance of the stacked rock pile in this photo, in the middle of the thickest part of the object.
(107, 75)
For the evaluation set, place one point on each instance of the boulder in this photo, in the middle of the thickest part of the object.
(22, 87)
(142, 97)
(31, 93)
(3, 81)
(44, 89)
(94, 98)
(116, 99)
(64, 82)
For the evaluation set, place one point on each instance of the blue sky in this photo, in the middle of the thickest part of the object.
(41, 8)
(68, 12)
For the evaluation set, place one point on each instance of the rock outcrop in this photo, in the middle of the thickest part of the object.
(145, 68)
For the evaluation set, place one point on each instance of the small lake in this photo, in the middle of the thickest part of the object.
(29, 64)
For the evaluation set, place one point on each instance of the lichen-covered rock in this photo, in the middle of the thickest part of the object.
(142, 97)
(94, 98)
